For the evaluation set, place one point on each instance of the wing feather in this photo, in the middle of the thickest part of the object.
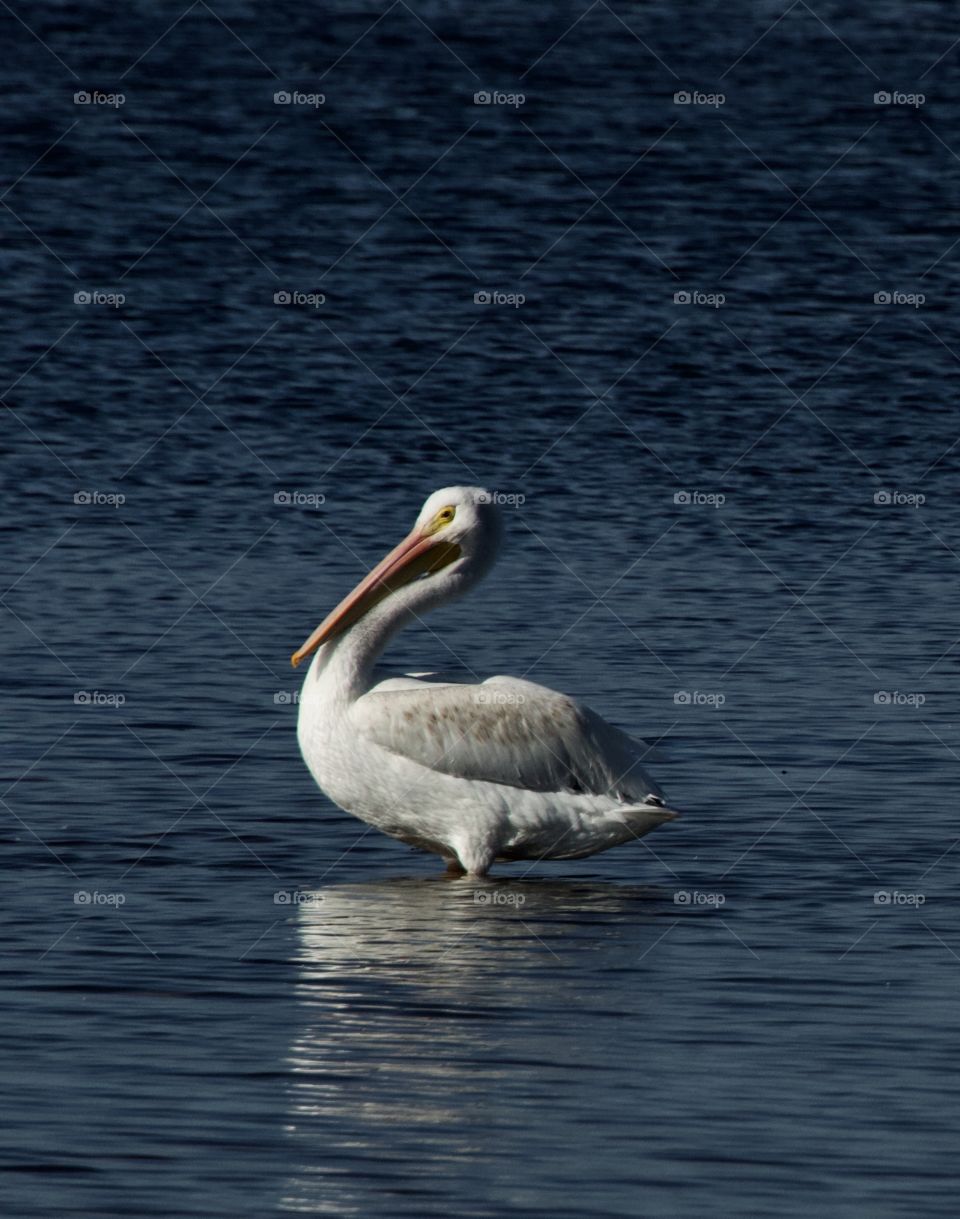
(505, 730)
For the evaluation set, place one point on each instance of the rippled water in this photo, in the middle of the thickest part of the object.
(738, 533)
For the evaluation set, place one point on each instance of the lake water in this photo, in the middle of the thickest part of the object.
(734, 529)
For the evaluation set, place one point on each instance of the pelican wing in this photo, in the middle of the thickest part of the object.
(505, 730)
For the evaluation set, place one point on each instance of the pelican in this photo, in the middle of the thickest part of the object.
(497, 771)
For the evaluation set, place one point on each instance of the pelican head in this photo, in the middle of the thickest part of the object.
(452, 544)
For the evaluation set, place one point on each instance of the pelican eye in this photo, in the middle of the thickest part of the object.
(441, 519)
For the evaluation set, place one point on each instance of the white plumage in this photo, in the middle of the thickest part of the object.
(504, 769)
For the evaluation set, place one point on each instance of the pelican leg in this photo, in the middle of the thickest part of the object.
(475, 858)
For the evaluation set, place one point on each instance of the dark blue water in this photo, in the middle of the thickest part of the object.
(739, 533)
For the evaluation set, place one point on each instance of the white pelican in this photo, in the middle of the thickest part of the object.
(501, 770)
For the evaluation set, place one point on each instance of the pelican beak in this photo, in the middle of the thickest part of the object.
(418, 554)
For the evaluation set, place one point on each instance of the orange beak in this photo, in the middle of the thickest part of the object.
(418, 554)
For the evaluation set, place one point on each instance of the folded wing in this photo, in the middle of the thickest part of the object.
(506, 730)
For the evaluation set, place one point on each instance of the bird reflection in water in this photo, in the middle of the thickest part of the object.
(433, 1010)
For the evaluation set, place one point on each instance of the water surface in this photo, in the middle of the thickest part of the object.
(737, 534)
